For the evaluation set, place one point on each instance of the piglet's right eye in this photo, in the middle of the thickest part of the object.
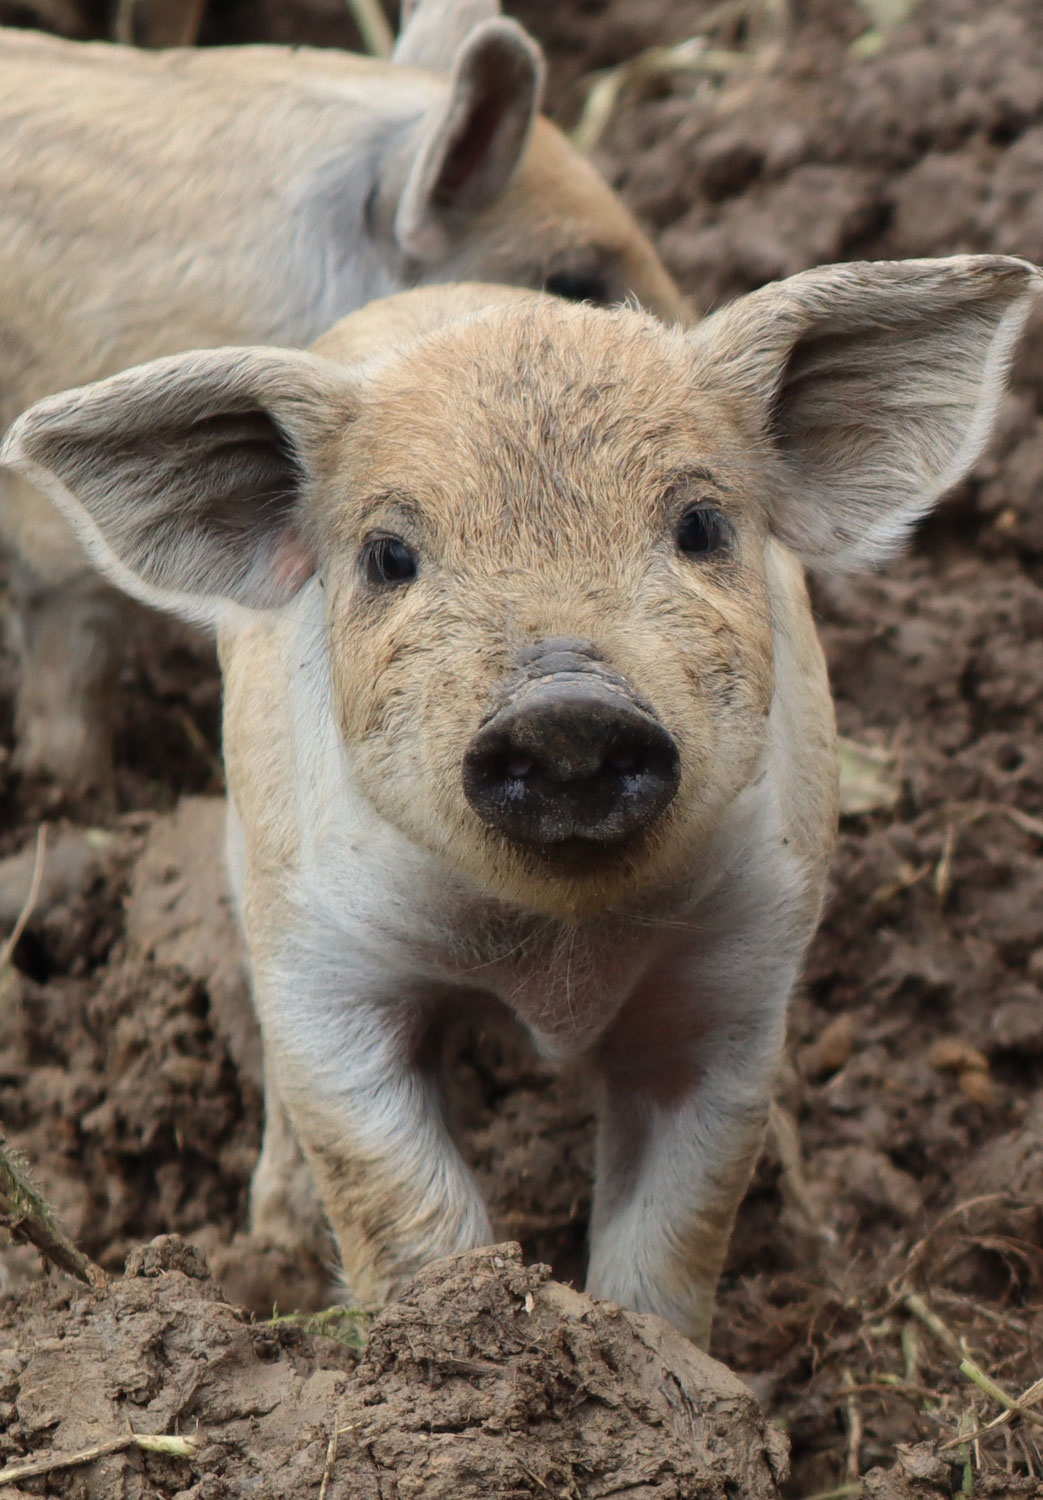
(389, 561)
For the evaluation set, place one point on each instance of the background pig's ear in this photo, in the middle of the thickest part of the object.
(183, 477)
(473, 141)
(432, 31)
(876, 384)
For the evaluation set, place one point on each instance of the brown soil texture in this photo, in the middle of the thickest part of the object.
(906, 1158)
(486, 1378)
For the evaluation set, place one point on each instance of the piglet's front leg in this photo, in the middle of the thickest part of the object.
(687, 1085)
(350, 1073)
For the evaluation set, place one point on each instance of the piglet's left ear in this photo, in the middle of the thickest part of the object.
(875, 384)
(186, 479)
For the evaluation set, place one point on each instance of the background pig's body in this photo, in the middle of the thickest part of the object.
(574, 496)
(151, 202)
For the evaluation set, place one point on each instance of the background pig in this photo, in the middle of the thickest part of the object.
(524, 701)
(151, 203)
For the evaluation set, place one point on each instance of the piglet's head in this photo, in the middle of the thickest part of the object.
(545, 539)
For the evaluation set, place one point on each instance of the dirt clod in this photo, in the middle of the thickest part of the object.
(486, 1379)
(162, 1351)
(535, 1389)
(920, 1474)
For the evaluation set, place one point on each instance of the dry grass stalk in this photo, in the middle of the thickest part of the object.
(793, 1184)
(1018, 1408)
(7, 951)
(969, 813)
(30, 1218)
(919, 1252)
(377, 36)
(173, 1447)
(331, 1459)
(855, 1429)
(919, 1308)
(694, 56)
(943, 869)
(767, 24)
(1014, 1406)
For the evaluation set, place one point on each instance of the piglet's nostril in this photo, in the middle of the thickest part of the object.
(622, 760)
(571, 758)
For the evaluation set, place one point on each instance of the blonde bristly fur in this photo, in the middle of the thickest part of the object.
(538, 458)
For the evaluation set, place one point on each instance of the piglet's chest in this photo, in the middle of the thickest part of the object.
(565, 982)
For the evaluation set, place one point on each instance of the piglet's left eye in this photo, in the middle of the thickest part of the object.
(389, 561)
(703, 529)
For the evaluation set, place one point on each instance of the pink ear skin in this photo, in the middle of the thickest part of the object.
(292, 564)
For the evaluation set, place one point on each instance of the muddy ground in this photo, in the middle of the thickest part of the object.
(906, 1159)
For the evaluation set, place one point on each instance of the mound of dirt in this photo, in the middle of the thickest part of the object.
(486, 1379)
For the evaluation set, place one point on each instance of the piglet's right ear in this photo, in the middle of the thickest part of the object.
(875, 385)
(183, 478)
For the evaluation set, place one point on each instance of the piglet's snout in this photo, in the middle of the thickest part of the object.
(571, 756)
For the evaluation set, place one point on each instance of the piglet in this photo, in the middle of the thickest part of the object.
(524, 703)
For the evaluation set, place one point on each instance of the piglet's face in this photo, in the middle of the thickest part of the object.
(544, 532)
(549, 633)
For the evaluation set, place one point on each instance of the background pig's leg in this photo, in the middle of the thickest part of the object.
(68, 628)
(365, 1103)
(69, 638)
(687, 1089)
